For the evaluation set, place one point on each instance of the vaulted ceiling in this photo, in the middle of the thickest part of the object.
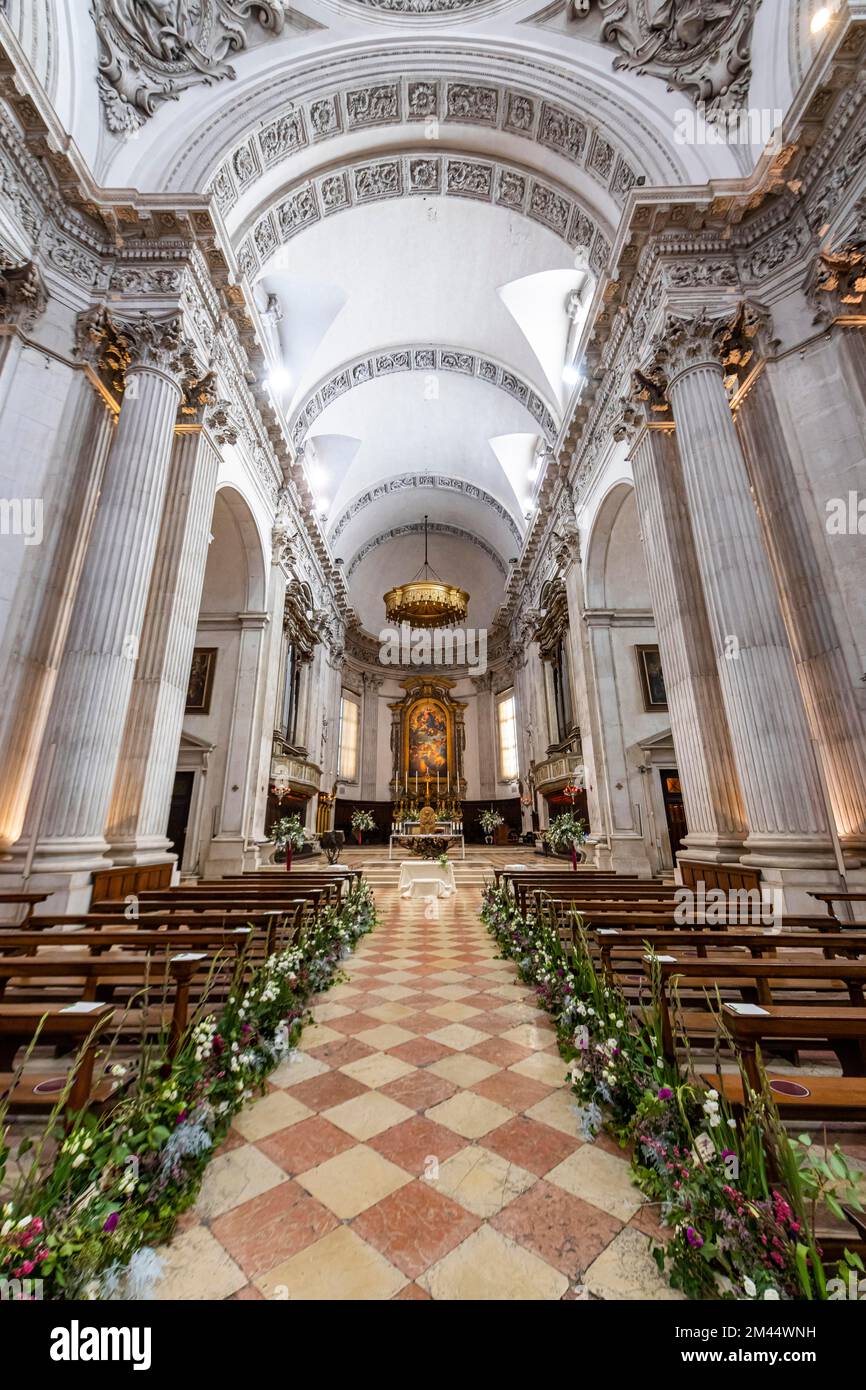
(422, 196)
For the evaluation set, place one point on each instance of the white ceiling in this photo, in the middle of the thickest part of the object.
(438, 272)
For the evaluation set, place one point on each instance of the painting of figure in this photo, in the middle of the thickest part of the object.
(428, 739)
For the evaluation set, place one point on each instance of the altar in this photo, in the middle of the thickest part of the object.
(425, 878)
(444, 840)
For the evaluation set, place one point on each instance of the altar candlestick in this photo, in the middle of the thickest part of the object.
(416, 782)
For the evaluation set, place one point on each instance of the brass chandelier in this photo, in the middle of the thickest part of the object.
(426, 601)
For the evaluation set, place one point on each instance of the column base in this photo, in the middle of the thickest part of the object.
(788, 852)
(153, 849)
(791, 889)
(627, 854)
(230, 855)
(710, 849)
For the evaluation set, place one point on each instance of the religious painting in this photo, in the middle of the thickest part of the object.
(201, 674)
(652, 678)
(427, 739)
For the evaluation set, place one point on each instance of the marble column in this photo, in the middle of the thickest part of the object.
(825, 680)
(228, 850)
(583, 700)
(782, 793)
(303, 733)
(488, 760)
(39, 623)
(705, 761)
(102, 650)
(618, 780)
(370, 736)
(141, 798)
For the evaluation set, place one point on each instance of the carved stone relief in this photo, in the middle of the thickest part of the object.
(700, 47)
(152, 50)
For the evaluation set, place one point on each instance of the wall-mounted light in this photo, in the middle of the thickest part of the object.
(821, 18)
(278, 380)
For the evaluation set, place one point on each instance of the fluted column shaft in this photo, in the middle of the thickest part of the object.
(770, 736)
(831, 706)
(488, 751)
(38, 630)
(705, 761)
(99, 665)
(370, 737)
(302, 714)
(142, 788)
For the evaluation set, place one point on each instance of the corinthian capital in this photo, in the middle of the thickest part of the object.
(722, 339)
(838, 285)
(114, 348)
(22, 293)
(159, 345)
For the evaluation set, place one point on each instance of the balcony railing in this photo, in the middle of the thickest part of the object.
(295, 775)
(561, 771)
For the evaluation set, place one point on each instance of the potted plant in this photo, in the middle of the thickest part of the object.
(287, 834)
(361, 821)
(566, 832)
(489, 821)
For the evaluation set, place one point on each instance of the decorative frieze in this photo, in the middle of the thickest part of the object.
(420, 359)
(410, 482)
(418, 173)
(447, 101)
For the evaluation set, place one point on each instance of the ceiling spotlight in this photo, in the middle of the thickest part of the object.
(570, 374)
(278, 380)
(821, 19)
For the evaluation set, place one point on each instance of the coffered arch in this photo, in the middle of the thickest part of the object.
(425, 358)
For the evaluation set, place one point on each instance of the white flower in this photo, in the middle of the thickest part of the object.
(750, 1287)
(771, 1295)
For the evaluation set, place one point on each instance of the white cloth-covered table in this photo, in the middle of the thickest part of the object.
(424, 878)
(446, 840)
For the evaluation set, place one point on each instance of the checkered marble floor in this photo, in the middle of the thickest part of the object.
(421, 1143)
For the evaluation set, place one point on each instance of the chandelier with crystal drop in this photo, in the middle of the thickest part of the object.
(426, 601)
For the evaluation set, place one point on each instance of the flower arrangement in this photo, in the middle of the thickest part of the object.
(90, 1202)
(565, 831)
(287, 832)
(735, 1233)
(489, 820)
(361, 821)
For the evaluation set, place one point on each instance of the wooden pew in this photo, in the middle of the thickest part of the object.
(763, 979)
(842, 1028)
(59, 1023)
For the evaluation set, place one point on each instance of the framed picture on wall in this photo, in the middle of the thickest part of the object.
(651, 678)
(201, 674)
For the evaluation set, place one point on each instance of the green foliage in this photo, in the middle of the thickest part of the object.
(565, 831)
(93, 1197)
(288, 831)
(739, 1196)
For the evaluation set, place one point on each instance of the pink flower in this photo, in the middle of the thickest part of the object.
(111, 1223)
